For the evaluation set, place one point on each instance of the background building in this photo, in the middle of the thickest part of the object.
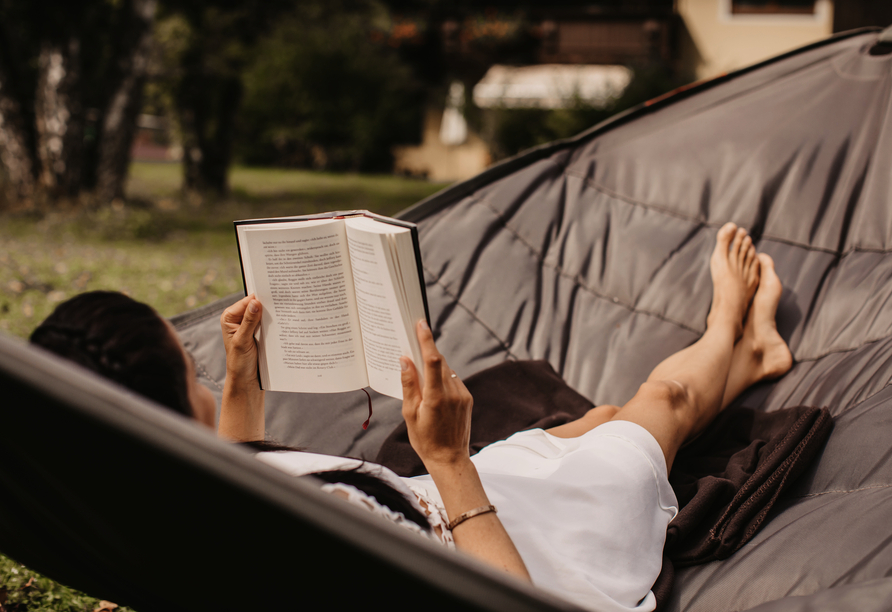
(659, 44)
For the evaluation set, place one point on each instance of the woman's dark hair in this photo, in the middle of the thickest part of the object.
(128, 342)
(123, 340)
(380, 490)
(368, 484)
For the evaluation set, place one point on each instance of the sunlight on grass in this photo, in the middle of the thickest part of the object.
(290, 192)
(171, 277)
(172, 252)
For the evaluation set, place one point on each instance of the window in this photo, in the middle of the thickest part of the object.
(772, 7)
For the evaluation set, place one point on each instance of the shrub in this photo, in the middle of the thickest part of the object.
(320, 93)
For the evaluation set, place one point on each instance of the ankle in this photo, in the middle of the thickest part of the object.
(723, 322)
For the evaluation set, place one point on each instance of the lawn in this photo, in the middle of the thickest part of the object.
(173, 252)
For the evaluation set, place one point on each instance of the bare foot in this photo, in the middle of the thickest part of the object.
(735, 277)
(770, 354)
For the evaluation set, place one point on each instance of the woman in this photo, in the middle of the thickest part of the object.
(583, 507)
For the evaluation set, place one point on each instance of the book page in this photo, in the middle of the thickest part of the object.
(408, 282)
(310, 339)
(384, 331)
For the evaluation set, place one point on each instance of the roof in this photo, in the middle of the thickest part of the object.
(550, 85)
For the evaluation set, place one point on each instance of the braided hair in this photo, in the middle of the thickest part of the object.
(129, 343)
(120, 339)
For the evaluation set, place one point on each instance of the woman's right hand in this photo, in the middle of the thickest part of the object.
(438, 415)
(238, 324)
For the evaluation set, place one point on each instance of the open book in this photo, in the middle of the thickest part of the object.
(341, 295)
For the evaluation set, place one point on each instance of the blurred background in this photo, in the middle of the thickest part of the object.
(133, 132)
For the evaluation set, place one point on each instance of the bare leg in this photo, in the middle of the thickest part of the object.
(685, 391)
(761, 353)
(591, 419)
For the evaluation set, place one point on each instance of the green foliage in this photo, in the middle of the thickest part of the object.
(172, 36)
(517, 129)
(512, 130)
(321, 93)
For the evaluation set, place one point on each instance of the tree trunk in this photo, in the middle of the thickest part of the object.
(59, 117)
(15, 154)
(207, 121)
(119, 124)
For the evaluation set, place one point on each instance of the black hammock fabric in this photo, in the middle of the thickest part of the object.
(591, 254)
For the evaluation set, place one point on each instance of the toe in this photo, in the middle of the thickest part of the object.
(736, 245)
(724, 237)
(769, 277)
(747, 251)
(755, 271)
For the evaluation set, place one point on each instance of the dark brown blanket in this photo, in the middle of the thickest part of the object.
(730, 477)
(510, 397)
(726, 481)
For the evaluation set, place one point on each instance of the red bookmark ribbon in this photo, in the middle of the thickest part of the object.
(366, 424)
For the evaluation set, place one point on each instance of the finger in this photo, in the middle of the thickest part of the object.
(433, 360)
(411, 388)
(453, 379)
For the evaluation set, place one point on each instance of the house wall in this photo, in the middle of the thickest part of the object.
(714, 41)
(709, 40)
(851, 14)
(440, 162)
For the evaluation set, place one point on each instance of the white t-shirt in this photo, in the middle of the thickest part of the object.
(588, 515)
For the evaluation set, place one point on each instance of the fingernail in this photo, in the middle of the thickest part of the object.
(404, 364)
(253, 307)
(424, 325)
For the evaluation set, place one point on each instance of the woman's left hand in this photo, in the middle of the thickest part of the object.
(438, 415)
(241, 411)
(238, 324)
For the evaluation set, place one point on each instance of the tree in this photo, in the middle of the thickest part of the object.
(69, 69)
(203, 78)
(208, 96)
(17, 88)
(323, 90)
(59, 114)
(16, 152)
(119, 118)
(280, 81)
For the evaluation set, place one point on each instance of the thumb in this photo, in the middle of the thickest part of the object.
(250, 321)
(411, 387)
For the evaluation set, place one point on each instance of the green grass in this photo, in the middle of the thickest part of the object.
(26, 591)
(172, 252)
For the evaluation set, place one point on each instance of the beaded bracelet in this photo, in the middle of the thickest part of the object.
(461, 518)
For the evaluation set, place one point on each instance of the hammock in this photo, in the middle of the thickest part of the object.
(590, 253)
